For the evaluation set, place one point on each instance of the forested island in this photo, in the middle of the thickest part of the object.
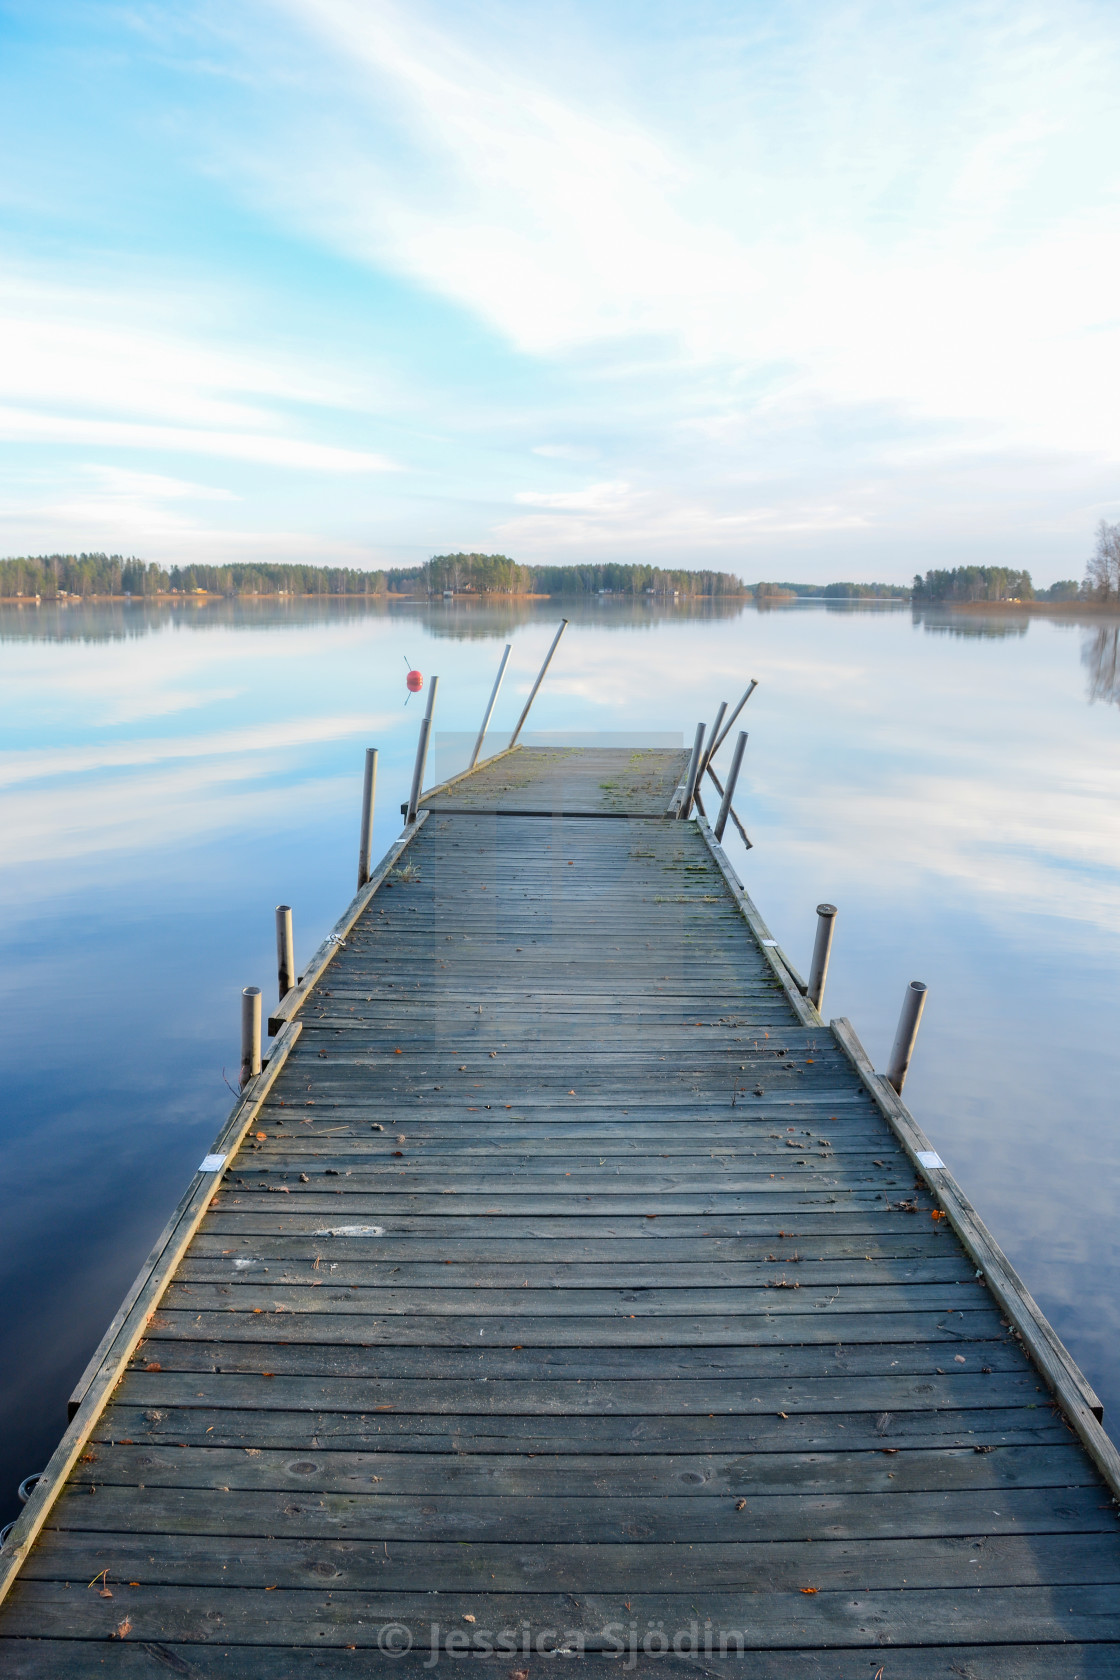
(59, 576)
(53, 577)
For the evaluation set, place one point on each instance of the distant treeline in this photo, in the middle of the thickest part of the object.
(989, 583)
(831, 591)
(52, 575)
(497, 574)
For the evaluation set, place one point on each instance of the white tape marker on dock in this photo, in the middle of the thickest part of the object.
(351, 1231)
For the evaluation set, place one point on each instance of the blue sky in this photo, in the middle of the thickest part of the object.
(803, 290)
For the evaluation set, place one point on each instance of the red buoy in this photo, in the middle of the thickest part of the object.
(414, 681)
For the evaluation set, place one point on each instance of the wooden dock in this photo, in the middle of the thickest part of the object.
(570, 1284)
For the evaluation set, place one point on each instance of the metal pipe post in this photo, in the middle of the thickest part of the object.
(285, 951)
(540, 679)
(250, 1033)
(490, 707)
(369, 793)
(712, 736)
(422, 753)
(822, 950)
(727, 726)
(728, 792)
(696, 759)
(903, 1048)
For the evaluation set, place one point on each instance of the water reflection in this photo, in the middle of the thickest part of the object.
(1100, 655)
(944, 621)
(462, 619)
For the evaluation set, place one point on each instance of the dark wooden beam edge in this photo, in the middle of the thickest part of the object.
(290, 1006)
(1068, 1384)
(464, 775)
(119, 1342)
(792, 984)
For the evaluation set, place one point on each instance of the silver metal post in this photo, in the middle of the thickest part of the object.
(822, 950)
(422, 753)
(250, 1033)
(540, 679)
(490, 707)
(696, 759)
(728, 792)
(727, 726)
(903, 1048)
(712, 734)
(285, 951)
(369, 793)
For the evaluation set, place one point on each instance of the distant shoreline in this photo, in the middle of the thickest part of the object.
(200, 597)
(1094, 609)
(1068, 609)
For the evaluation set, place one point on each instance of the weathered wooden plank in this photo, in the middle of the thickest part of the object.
(195, 1560)
(546, 1397)
(607, 1330)
(301, 1429)
(927, 1245)
(709, 1154)
(35, 1659)
(252, 1214)
(314, 1616)
(685, 1519)
(782, 1203)
(272, 1295)
(634, 1364)
(446, 1178)
(473, 1273)
(582, 1476)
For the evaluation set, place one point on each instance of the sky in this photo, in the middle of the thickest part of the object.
(804, 290)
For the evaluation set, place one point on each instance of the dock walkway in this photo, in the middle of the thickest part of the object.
(574, 1286)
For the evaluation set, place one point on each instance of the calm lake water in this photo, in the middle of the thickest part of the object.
(169, 775)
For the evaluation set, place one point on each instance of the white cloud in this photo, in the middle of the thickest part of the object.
(28, 425)
(661, 524)
(597, 497)
(119, 484)
(853, 247)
